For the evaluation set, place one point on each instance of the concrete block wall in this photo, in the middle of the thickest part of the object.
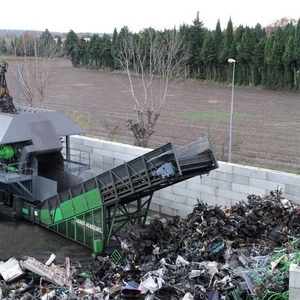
(225, 186)
(294, 282)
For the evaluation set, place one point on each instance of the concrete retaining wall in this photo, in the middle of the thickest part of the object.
(227, 185)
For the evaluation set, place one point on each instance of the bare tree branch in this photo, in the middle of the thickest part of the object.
(33, 72)
(150, 60)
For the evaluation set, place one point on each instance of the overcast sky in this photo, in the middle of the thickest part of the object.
(96, 16)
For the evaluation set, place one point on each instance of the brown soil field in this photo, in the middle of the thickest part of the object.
(266, 124)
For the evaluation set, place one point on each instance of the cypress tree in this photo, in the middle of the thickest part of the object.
(70, 47)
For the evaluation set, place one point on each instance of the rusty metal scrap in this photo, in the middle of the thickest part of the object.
(242, 252)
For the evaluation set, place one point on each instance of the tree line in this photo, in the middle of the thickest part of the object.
(266, 57)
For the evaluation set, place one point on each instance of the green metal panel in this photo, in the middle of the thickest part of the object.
(80, 204)
(67, 209)
(72, 207)
(93, 198)
(57, 215)
(86, 228)
(80, 218)
(25, 210)
(45, 217)
(98, 246)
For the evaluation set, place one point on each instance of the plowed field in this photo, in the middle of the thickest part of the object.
(266, 124)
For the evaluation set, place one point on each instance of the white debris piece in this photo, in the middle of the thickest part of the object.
(10, 270)
(52, 273)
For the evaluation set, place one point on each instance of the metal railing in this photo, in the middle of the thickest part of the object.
(10, 172)
(76, 160)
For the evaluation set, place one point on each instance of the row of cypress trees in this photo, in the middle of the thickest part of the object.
(265, 57)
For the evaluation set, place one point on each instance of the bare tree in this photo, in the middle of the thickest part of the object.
(151, 61)
(32, 53)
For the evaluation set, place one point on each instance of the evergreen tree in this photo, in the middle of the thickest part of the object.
(258, 62)
(218, 37)
(70, 47)
(94, 51)
(245, 55)
(289, 63)
(208, 55)
(46, 46)
(277, 57)
(226, 50)
(194, 37)
(296, 56)
(3, 48)
(81, 53)
(269, 77)
(106, 52)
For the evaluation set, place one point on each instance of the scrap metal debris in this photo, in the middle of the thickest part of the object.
(52, 273)
(242, 252)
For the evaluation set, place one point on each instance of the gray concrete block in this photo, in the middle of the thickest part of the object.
(233, 195)
(106, 167)
(192, 194)
(250, 171)
(292, 189)
(225, 167)
(155, 207)
(82, 147)
(97, 164)
(228, 177)
(102, 152)
(96, 158)
(192, 202)
(123, 156)
(294, 278)
(294, 282)
(117, 162)
(177, 190)
(265, 184)
(247, 190)
(293, 198)
(181, 184)
(166, 194)
(136, 151)
(76, 139)
(198, 187)
(294, 294)
(182, 208)
(112, 146)
(208, 181)
(93, 142)
(284, 178)
(215, 200)
(108, 161)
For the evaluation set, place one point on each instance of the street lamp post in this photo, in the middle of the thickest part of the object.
(231, 61)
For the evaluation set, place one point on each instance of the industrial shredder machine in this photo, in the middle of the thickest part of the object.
(41, 176)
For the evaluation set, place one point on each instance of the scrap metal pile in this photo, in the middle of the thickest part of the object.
(242, 252)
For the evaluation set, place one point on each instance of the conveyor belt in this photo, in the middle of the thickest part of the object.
(98, 204)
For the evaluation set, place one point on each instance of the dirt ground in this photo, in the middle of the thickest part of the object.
(266, 124)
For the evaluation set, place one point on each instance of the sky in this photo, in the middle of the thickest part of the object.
(96, 16)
